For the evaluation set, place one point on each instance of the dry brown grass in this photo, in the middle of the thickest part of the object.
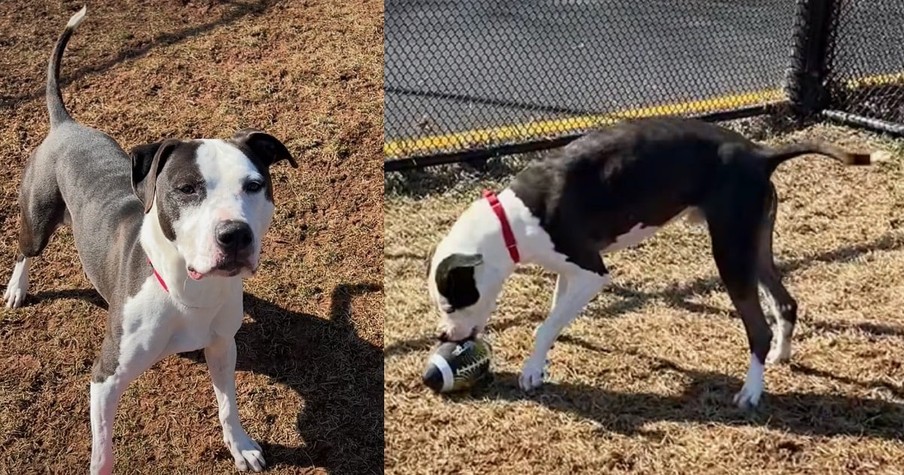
(643, 382)
(310, 373)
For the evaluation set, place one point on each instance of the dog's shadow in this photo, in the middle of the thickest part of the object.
(338, 375)
(706, 399)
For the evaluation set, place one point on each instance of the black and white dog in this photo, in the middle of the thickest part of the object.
(165, 235)
(609, 190)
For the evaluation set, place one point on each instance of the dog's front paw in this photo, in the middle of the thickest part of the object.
(532, 375)
(16, 288)
(247, 454)
(749, 395)
(14, 296)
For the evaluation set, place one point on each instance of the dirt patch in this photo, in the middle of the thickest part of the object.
(309, 355)
(643, 382)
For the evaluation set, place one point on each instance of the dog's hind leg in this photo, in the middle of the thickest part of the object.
(41, 211)
(733, 218)
(784, 306)
(574, 290)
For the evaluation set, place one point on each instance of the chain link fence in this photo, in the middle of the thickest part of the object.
(475, 74)
(475, 77)
(866, 74)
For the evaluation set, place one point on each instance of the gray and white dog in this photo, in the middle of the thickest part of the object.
(609, 190)
(165, 234)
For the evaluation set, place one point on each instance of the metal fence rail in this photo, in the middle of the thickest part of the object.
(467, 78)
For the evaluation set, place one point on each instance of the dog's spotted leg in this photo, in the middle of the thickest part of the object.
(784, 307)
(220, 356)
(18, 283)
(758, 337)
(733, 229)
(573, 292)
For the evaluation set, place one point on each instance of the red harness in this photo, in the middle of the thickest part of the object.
(507, 233)
(157, 275)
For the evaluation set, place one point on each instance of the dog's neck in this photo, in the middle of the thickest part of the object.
(171, 267)
(479, 231)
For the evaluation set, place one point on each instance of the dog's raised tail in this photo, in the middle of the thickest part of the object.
(55, 106)
(776, 156)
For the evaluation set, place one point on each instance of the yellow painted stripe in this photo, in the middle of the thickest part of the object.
(877, 80)
(532, 130)
(555, 127)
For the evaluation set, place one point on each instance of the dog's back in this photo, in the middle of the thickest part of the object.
(95, 166)
(634, 165)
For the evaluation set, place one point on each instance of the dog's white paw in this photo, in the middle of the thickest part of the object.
(532, 375)
(749, 396)
(14, 296)
(17, 286)
(247, 454)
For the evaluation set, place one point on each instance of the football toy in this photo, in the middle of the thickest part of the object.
(458, 366)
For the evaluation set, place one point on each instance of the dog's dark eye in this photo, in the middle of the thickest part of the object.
(187, 189)
(253, 186)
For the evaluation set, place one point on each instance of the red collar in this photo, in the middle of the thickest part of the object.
(507, 233)
(157, 275)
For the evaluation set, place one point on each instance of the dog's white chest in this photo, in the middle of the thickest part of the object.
(635, 236)
(148, 317)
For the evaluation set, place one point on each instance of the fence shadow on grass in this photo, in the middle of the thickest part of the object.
(338, 375)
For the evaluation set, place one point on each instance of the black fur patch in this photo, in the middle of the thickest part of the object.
(159, 170)
(455, 280)
(263, 150)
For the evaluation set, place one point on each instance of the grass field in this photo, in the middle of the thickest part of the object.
(643, 381)
(309, 354)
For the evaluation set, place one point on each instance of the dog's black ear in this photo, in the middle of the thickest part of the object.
(147, 161)
(265, 146)
(455, 279)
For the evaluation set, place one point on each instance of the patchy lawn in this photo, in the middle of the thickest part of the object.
(643, 381)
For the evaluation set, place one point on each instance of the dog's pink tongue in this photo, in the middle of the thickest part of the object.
(195, 274)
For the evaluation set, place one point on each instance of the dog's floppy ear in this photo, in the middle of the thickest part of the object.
(147, 161)
(455, 280)
(267, 147)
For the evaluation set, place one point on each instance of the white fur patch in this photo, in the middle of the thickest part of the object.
(76, 20)
(17, 287)
(226, 170)
(880, 156)
(750, 393)
(781, 344)
(104, 398)
(635, 236)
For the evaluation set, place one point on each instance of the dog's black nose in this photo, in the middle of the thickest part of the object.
(234, 236)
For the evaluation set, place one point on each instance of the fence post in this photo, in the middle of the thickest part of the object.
(811, 56)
